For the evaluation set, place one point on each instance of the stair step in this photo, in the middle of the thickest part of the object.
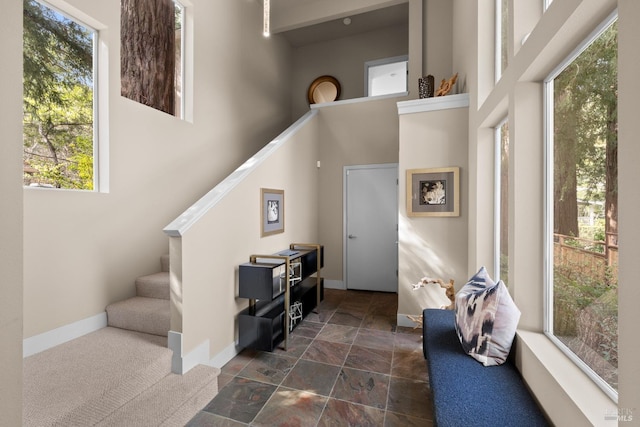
(164, 262)
(83, 381)
(148, 315)
(172, 401)
(153, 285)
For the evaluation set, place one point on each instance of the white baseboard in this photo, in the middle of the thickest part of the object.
(334, 284)
(181, 364)
(63, 334)
(403, 320)
(221, 359)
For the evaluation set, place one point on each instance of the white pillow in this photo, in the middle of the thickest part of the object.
(486, 319)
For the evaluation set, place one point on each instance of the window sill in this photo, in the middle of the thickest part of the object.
(567, 394)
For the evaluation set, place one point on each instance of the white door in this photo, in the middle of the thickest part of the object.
(371, 227)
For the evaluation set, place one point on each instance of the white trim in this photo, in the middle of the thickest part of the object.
(358, 100)
(334, 284)
(604, 25)
(589, 399)
(222, 358)
(180, 225)
(434, 104)
(63, 334)
(498, 41)
(181, 364)
(174, 342)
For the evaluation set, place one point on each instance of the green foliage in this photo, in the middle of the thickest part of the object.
(586, 115)
(586, 307)
(585, 297)
(58, 99)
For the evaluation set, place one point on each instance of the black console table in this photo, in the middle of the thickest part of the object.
(282, 288)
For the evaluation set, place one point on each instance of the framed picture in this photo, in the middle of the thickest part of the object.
(433, 192)
(272, 211)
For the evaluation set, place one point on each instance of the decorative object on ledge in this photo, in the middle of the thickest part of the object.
(446, 85)
(426, 86)
(449, 292)
(272, 211)
(433, 192)
(323, 89)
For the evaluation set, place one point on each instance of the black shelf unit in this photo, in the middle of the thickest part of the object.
(263, 325)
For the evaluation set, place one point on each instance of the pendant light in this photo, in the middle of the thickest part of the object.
(266, 16)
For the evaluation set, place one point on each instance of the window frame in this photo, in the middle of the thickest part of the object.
(183, 22)
(548, 295)
(499, 42)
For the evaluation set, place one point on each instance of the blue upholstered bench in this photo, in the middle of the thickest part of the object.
(466, 393)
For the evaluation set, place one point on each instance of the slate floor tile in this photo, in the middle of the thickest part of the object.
(291, 408)
(366, 388)
(241, 399)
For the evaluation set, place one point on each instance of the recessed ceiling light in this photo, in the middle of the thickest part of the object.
(346, 21)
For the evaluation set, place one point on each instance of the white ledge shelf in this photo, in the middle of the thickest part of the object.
(433, 104)
(357, 100)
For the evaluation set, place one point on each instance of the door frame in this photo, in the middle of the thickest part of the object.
(345, 171)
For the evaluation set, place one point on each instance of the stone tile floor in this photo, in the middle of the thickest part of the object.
(347, 364)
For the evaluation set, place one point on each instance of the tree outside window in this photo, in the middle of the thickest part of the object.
(151, 53)
(58, 104)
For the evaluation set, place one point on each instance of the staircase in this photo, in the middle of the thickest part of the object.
(148, 311)
(119, 375)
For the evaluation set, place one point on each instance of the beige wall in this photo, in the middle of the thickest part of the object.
(436, 246)
(427, 40)
(229, 234)
(344, 59)
(438, 35)
(83, 250)
(11, 259)
(361, 133)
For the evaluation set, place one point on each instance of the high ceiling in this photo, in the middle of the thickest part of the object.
(335, 29)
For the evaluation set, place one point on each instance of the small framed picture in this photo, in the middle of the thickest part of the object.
(272, 211)
(433, 192)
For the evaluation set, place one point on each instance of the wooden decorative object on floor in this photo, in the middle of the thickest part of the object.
(449, 292)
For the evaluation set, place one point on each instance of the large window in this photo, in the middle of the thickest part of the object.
(582, 288)
(59, 136)
(502, 201)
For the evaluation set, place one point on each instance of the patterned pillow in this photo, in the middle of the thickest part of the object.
(486, 319)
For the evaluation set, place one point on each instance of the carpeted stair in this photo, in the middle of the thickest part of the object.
(148, 311)
(118, 375)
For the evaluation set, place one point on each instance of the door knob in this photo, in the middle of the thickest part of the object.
(351, 236)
